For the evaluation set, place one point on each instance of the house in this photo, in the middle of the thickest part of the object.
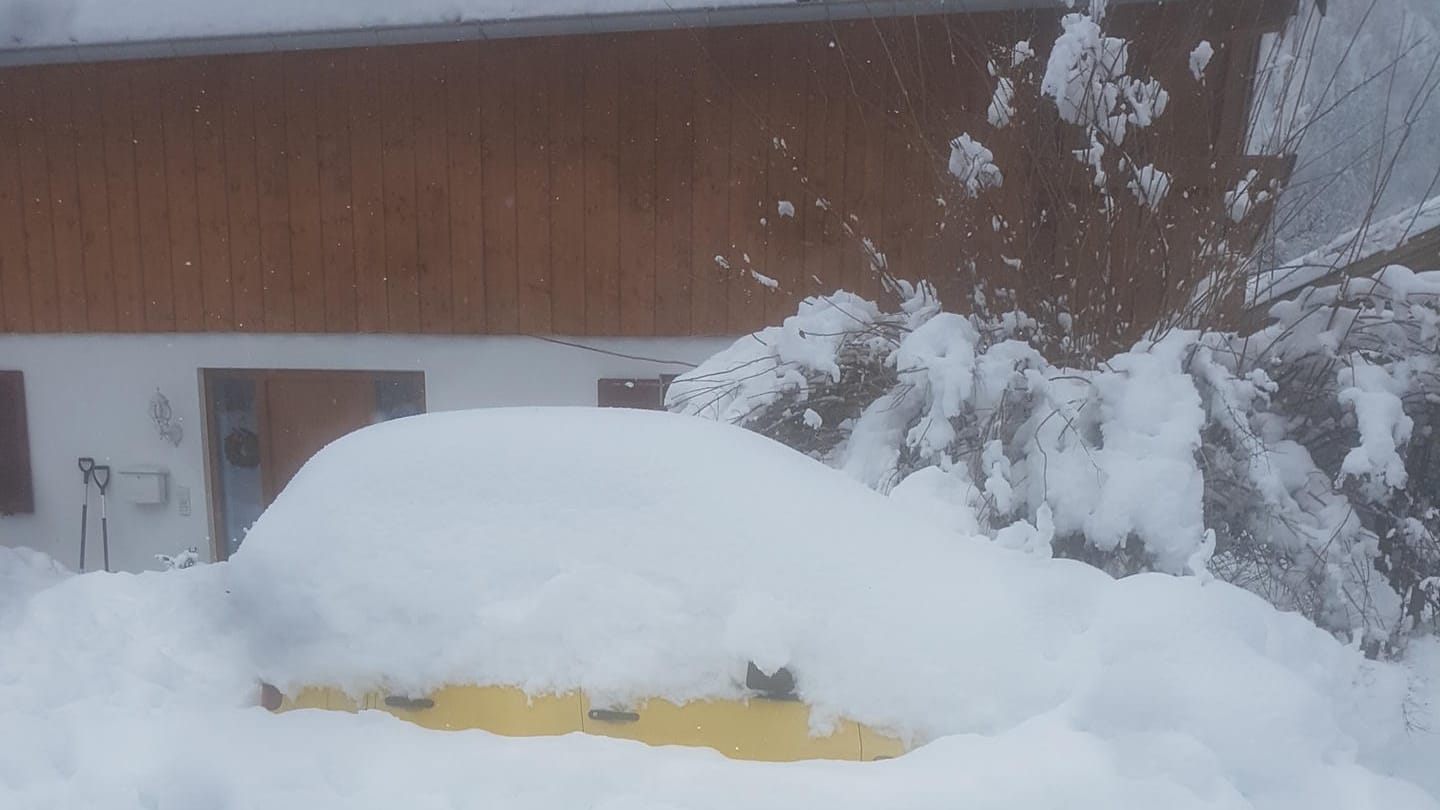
(1410, 238)
(224, 244)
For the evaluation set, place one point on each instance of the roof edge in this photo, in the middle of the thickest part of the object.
(764, 13)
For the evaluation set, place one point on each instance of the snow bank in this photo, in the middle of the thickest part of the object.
(23, 573)
(653, 553)
(331, 761)
(1348, 248)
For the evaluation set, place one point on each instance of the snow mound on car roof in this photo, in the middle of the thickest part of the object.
(625, 552)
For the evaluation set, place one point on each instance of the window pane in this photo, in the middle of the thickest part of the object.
(238, 433)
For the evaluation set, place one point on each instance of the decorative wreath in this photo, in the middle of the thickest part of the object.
(242, 448)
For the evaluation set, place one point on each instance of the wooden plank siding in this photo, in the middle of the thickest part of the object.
(35, 196)
(637, 124)
(272, 170)
(534, 301)
(402, 234)
(212, 201)
(674, 202)
(710, 215)
(94, 207)
(14, 268)
(463, 145)
(751, 141)
(497, 165)
(567, 188)
(337, 225)
(432, 193)
(303, 178)
(604, 185)
(242, 192)
(367, 151)
(178, 93)
(57, 121)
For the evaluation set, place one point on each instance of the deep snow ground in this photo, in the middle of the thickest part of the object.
(114, 694)
(1038, 683)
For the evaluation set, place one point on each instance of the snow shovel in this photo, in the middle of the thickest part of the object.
(87, 468)
(102, 480)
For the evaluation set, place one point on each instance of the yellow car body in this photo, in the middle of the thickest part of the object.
(771, 730)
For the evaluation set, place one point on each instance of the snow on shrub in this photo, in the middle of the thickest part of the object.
(1356, 367)
(1086, 76)
(1276, 460)
(1285, 461)
(974, 165)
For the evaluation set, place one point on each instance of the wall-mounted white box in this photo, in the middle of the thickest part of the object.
(144, 486)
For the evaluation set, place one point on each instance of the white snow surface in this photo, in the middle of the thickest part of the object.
(1350, 247)
(1149, 185)
(66, 22)
(1002, 106)
(1200, 59)
(646, 553)
(23, 573)
(974, 165)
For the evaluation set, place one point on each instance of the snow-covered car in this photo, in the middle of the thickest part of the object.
(494, 562)
(548, 571)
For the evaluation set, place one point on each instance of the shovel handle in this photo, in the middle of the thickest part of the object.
(87, 468)
(102, 477)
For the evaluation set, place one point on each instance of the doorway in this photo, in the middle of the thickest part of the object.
(263, 425)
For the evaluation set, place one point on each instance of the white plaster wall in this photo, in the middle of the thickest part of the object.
(89, 395)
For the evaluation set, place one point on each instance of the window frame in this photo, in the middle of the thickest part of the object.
(17, 479)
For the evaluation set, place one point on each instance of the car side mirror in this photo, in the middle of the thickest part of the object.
(779, 685)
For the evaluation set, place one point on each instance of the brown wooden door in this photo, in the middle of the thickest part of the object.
(306, 411)
(263, 425)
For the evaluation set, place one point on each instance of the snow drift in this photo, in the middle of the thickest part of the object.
(653, 554)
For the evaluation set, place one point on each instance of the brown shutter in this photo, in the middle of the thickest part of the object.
(17, 492)
(633, 393)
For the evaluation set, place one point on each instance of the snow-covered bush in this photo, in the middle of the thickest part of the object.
(1287, 461)
(1293, 460)
(1355, 370)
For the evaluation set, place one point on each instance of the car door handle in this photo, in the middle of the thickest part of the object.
(412, 704)
(612, 716)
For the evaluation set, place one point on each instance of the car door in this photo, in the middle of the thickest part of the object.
(504, 710)
(875, 746)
